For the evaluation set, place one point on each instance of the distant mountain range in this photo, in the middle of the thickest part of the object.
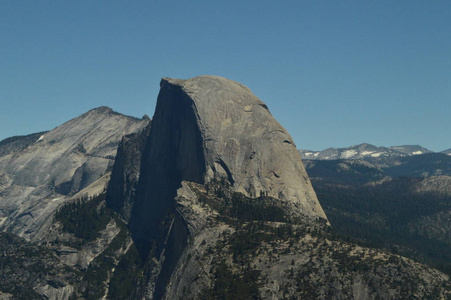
(395, 161)
(367, 151)
(396, 198)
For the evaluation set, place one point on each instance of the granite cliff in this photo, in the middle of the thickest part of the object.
(223, 208)
(210, 128)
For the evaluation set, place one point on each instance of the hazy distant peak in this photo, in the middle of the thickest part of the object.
(411, 149)
(364, 150)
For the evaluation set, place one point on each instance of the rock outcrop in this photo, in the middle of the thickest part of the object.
(210, 128)
(18, 143)
(237, 256)
(205, 130)
(29, 271)
(122, 186)
(36, 177)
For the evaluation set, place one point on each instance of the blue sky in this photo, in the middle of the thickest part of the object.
(334, 73)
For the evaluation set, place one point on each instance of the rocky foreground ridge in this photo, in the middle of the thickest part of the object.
(211, 201)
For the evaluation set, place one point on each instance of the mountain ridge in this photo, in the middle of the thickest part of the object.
(37, 176)
(364, 150)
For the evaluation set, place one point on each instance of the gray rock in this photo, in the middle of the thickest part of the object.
(125, 174)
(18, 143)
(275, 260)
(246, 145)
(29, 271)
(210, 128)
(36, 178)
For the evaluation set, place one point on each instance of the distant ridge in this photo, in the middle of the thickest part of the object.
(405, 160)
(365, 151)
(18, 143)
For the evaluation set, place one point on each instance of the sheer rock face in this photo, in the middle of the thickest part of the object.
(36, 178)
(125, 174)
(211, 128)
(244, 143)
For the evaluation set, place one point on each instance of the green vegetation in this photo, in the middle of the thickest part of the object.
(235, 205)
(126, 275)
(243, 281)
(84, 217)
(99, 270)
(23, 263)
(343, 171)
(333, 266)
(383, 216)
(230, 285)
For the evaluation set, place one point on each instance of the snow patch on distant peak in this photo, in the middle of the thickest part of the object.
(377, 154)
(417, 152)
(349, 153)
(40, 138)
(364, 153)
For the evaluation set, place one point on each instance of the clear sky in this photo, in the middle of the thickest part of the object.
(334, 73)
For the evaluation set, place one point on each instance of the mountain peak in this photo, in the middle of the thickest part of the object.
(102, 109)
(212, 129)
(209, 84)
(411, 149)
(54, 164)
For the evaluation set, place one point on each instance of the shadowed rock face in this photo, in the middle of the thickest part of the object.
(211, 128)
(125, 174)
(173, 152)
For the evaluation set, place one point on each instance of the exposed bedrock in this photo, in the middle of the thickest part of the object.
(173, 152)
(211, 128)
(122, 186)
(40, 172)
